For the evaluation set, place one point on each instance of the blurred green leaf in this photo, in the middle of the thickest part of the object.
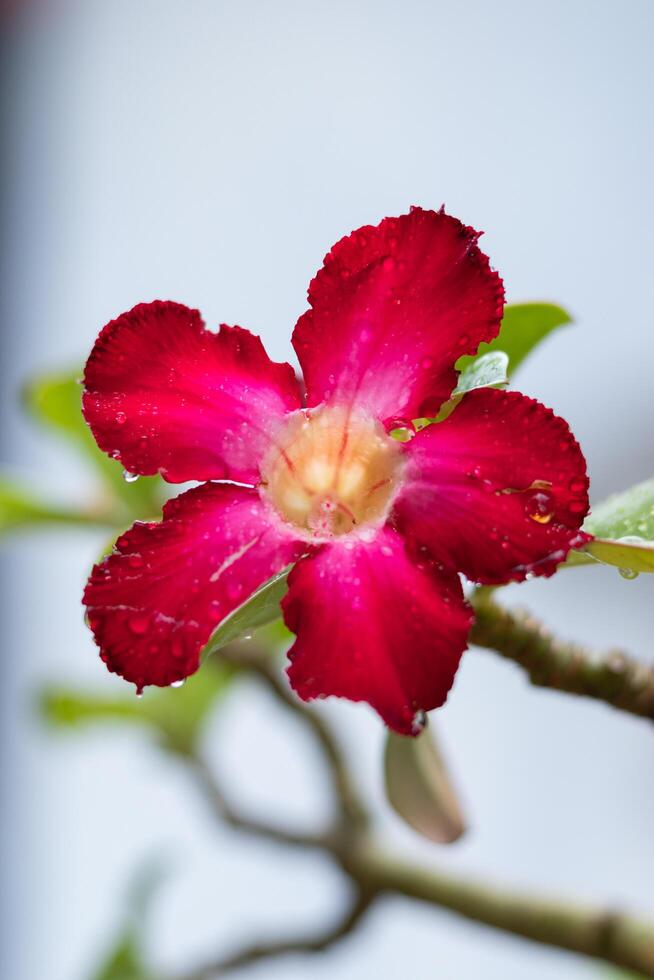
(623, 526)
(176, 715)
(524, 326)
(486, 371)
(419, 787)
(125, 959)
(55, 401)
(615, 974)
(260, 609)
(630, 512)
(19, 508)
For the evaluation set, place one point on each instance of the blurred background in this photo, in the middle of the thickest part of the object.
(211, 152)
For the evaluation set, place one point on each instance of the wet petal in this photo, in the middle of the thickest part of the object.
(163, 394)
(374, 626)
(154, 602)
(497, 491)
(392, 309)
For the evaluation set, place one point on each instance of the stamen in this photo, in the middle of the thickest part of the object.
(332, 471)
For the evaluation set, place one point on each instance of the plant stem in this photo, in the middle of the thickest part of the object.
(351, 808)
(610, 936)
(612, 677)
(270, 950)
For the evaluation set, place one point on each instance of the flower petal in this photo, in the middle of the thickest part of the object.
(163, 394)
(374, 626)
(498, 490)
(392, 309)
(155, 601)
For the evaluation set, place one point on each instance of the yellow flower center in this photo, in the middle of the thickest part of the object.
(332, 471)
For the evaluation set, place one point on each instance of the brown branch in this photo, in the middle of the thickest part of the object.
(604, 934)
(225, 812)
(302, 945)
(613, 677)
(351, 807)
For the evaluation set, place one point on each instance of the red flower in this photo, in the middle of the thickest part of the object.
(378, 529)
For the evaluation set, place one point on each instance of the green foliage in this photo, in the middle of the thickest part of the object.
(20, 508)
(175, 715)
(623, 526)
(259, 610)
(524, 326)
(419, 788)
(486, 371)
(125, 959)
(55, 402)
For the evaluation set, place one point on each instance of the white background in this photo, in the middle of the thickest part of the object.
(211, 152)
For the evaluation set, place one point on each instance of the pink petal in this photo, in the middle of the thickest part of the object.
(374, 626)
(393, 308)
(498, 490)
(155, 601)
(163, 394)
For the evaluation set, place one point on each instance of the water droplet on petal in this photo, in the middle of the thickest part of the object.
(138, 623)
(121, 418)
(628, 573)
(419, 722)
(540, 506)
(130, 477)
(179, 683)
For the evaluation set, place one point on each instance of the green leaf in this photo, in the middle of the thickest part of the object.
(524, 326)
(486, 371)
(19, 508)
(260, 609)
(623, 526)
(419, 788)
(630, 512)
(55, 401)
(176, 715)
(125, 959)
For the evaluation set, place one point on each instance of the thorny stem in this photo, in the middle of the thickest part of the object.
(604, 934)
(613, 677)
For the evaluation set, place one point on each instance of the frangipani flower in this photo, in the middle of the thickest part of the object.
(377, 529)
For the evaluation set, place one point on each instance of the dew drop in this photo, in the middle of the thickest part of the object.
(180, 683)
(121, 418)
(628, 573)
(130, 477)
(401, 430)
(419, 722)
(138, 624)
(540, 506)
